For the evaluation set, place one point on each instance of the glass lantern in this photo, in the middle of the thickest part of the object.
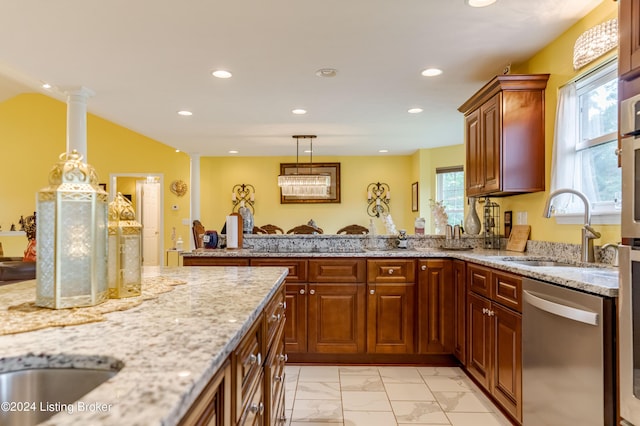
(125, 246)
(71, 266)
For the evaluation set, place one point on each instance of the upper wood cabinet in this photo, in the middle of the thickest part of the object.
(629, 48)
(504, 136)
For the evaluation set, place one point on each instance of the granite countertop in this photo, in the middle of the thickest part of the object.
(596, 278)
(170, 346)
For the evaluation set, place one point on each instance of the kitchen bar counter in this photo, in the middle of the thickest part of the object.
(170, 346)
(597, 278)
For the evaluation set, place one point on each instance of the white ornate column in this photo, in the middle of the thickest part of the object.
(195, 193)
(77, 119)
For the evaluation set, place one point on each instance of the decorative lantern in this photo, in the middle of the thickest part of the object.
(125, 246)
(71, 267)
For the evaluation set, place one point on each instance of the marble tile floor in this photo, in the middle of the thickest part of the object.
(385, 396)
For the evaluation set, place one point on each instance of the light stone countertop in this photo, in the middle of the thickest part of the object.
(170, 346)
(597, 278)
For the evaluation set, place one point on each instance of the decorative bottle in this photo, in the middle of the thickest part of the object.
(247, 219)
(472, 221)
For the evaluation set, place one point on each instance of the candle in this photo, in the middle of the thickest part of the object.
(369, 195)
(377, 201)
(253, 197)
(388, 195)
(233, 196)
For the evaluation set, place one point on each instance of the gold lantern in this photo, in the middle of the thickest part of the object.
(125, 245)
(71, 266)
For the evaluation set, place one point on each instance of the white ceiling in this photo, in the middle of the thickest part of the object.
(147, 59)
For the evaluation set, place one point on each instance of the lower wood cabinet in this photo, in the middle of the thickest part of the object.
(459, 281)
(213, 406)
(494, 347)
(390, 318)
(436, 292)
(295, 329)
(336, 318)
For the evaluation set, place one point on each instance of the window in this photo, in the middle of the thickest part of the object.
(450, 190)
(585, 146)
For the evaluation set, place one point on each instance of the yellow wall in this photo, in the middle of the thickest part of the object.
(220, 174)
(33, 135)
(556, 59)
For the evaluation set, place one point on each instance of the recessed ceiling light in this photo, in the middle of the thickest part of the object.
(46, 86)
(299, 111)
(414, 110)
(177, 150)
(383, 151)
(327, 72)
(185, 113)
(431, 72)
(221, 74)
(233, 151)
(480, 3)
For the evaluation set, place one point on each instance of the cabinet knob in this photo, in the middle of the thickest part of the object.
(484, 311)
(255, 359)
(618, 151)
(275, 318)
(491, 313)
(278, 378)
(372, 291)
(312, 292)
(390, 271)
(423, 267)
(284, 357)
(302, 291)
(257, 408)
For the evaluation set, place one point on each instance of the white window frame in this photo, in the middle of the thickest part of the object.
(440, 172)
(601, 212)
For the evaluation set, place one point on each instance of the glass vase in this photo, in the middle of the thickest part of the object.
(472, 221)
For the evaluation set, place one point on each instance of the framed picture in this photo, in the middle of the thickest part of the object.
(332, 169)
(414, 197)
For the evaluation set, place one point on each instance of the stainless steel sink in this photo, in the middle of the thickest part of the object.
(42, 392)
(542, 263)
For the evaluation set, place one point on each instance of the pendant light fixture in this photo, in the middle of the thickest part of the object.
(304, 182)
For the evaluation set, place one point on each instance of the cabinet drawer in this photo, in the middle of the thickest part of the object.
(479, 279)
(213, 261)
(274, 316)
(391, 271)
(252, 411)
(297, 268)
(275, 379)
(248, 361)
(337, 271)
(507, 290)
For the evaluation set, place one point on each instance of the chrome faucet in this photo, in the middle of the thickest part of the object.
(615, 247)
(588, 233)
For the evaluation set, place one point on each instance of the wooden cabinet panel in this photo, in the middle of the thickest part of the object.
(253, 413)
(475, 153)
(295, 334)
(490, 133)
(275, 381)
(249, 358)
(390, 318)
(435, 306)
(479, 279)
(213, 405)
(507, 357)
(460, 308)
(214, 261)
(337, 271)
(336, 315)
(297, 268)
(274, 316)
(507, 290)
(629, 41)
(391, 271)
(479, 339)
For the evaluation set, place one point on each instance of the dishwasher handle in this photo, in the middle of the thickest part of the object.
(564, 311)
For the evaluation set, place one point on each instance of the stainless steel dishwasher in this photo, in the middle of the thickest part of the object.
(567, 357)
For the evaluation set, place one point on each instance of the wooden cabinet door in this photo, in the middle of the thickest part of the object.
(435, 306)
(475, 154)
(390, 318)
(479, 339)
(295, 331)
(506, 385)
(336, 315)
(491, 139)
(460, 309)
(629, 43)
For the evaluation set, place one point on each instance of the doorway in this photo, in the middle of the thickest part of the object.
(145, 193)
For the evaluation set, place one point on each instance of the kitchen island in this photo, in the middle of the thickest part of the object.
(169, 347)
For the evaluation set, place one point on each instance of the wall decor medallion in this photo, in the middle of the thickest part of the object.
(179, 187)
